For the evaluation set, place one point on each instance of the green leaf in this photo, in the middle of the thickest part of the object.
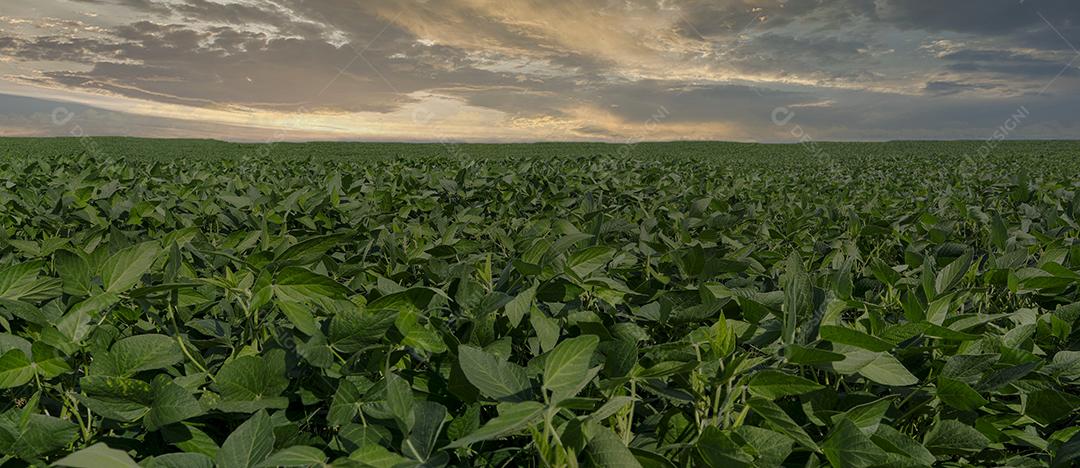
(180, 460)
(399, 399)
(512, 418)
(251, 383)
(520, 305)
(309, 250)
(717, 450)
(1067, 453)
(951, 275)
(587, 261)
(798, 295)
(849, 447)
(783, 423)
(377, 456)
(605, 449)
(189, 438)
(172, 404)
(77, 323)
(428, 420)
(248, 445)
(136, 354)
(47, 361)
(867, 417)
(297, 455)
(773, 384)
(97, 456)
(74, 272)
(18, 281)
(497, 379)
(959, 395)
(295, 284)
(1048, 406)
(896, 443)
(300, 316)
(125, 268)
(27, 435)
(796, 354)
(852, 337)
(566, 368)
(886, 370)
(611, 407)
(954, 437)
(15, 369)
(409, 301)
(417, 336)
(119, 398)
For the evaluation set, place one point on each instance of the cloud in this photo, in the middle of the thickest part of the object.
(534, 69)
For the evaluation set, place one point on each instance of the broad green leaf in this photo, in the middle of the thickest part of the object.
(717, 450)
(413, 301)
(309, 250)
(251, 383)
(773, 384)
(512, 418)
(19, 281)
(496, 379)
(300, 316)
(15, 369)
(249, 444)
(954, 437)
(417, 336)
(124, 269)
(29, 435)
(98, 455)
(951, 275)
(295, 284)
(867, 417)
(796, 354)
(297, 455)
(520, 305)
(848, 336)
(958, 394)
(1048, 406)
(771, 448)
(377, 456)
(587, 261)
(136, 354)
(180, 460)
(783, 423)
(74, 272)
(1068, 453)
(897, 443)
(605, 449)
(172, 404)
(79, 322)
(48, 362)
(399, 399)
(847, 446)
(566, 368)
(886, 370)
(428, 420)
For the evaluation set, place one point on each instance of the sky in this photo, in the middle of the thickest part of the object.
(540, 70)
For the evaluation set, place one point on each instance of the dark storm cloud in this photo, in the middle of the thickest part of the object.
(1017, 23)
(1002, 62)
(944, 88)
(983, 17)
